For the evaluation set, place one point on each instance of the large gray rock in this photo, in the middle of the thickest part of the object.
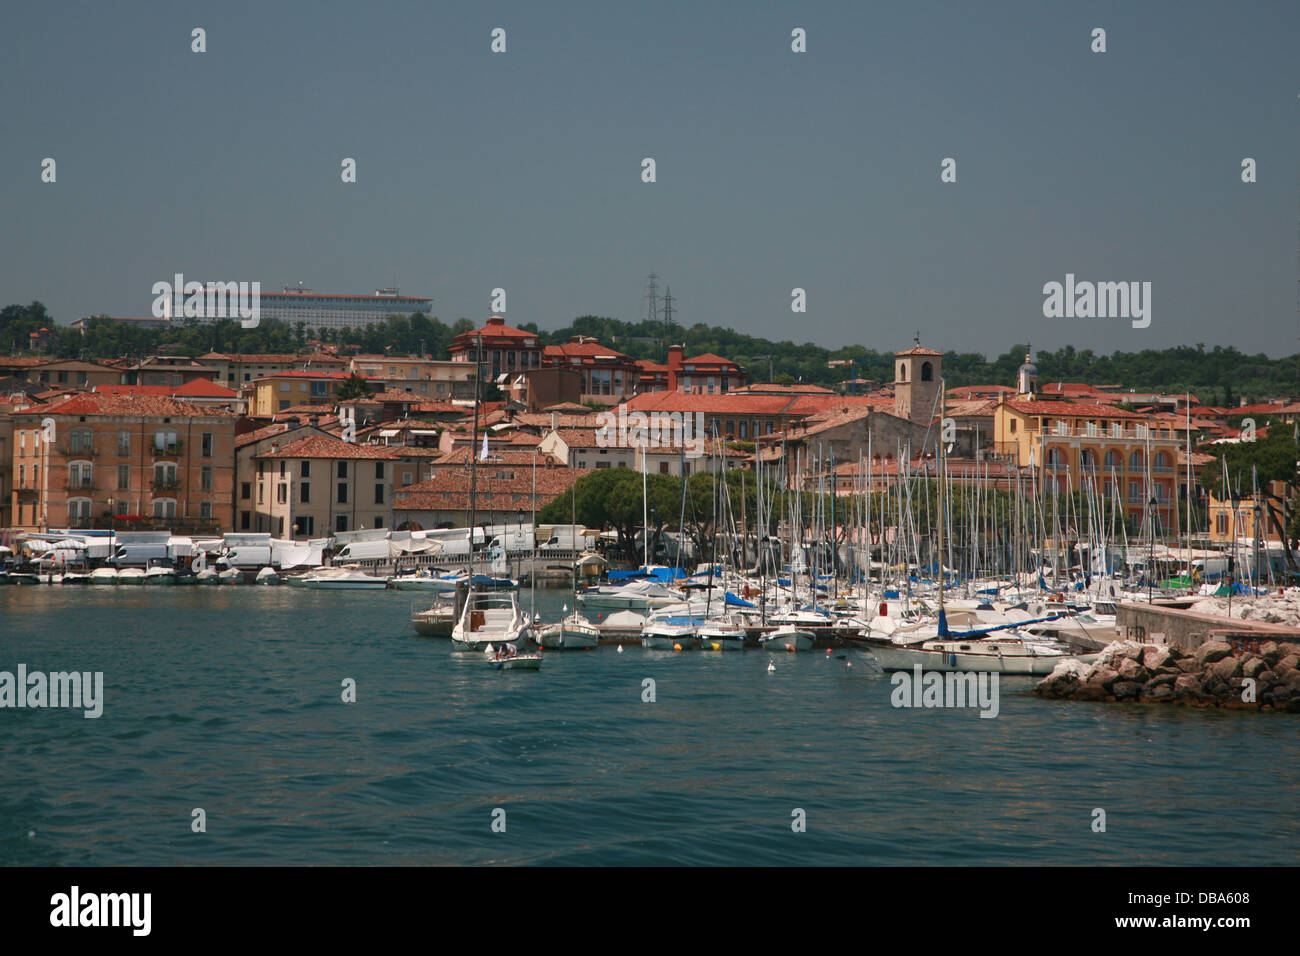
(1271, 651)
(1187, 687)
(1266, 679)
(1226, 669)
(1102, 677)
(1288, 663)
(1131, 670)
(1160, 693)
(1161, 679)
(1189, 665)
(1156, 656)
(1252, 666)
(1212, 651)
(1126, 689)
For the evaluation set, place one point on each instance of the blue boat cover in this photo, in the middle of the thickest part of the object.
(735, 601)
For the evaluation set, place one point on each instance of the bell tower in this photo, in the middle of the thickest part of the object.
(1027, 377)
(917, 372)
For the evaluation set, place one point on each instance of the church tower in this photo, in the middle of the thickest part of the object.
(916, 384)
(1027, 378)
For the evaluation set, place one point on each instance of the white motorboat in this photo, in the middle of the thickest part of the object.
(1003, 654)
(787, 638)
(130, 576)
(268, 575)
(670, 634)
(572, 632)
(208, 576)
(231, 576)
(343, 579)
(640, 596)
(489, 617)
(160, 573)
(425, 580)
(76, 577)
(721, 636)
(506, 658)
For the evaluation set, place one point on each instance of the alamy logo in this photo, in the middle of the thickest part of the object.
(75, 908)
(949, 689)
(684, 430)
(215, 300)
(56, 689)
(1100, 300)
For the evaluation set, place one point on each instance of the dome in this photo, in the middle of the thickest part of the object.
(1029, 369)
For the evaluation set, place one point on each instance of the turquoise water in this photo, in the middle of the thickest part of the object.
(229, 699)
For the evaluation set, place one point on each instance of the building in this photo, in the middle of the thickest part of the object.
(170, 370)
(313, 486)
(1234, 522)
(123, 459)
(706, 374)
(506, 493)
(130, 321)
(426, 377)
(581, 448)
(282, 390)
(917, 375)
(236, 368)
(72, 373)
(322, 310)
(497, 349)
(606, 374)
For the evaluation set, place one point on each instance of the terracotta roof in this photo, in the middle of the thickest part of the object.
(708, 358)
(319, 446)
(1069, 409)
(918, 350)
(275, 428)
(195, 388)
(589, 349)
(312, 373)
(148, 406)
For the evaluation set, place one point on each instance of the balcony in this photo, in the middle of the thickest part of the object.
(77, 449)
(79, 484)
(170, 451)
(166, 484)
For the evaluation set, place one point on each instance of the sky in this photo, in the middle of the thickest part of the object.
(774, 170)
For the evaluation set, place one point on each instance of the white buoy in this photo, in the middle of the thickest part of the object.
(620, 648)
(771, 667)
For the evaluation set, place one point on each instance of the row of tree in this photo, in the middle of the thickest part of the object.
(1216, 375)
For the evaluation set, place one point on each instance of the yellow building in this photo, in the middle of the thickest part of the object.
(1235, 521)
(274, 393)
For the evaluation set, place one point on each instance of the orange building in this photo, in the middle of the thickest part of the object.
(165, 463)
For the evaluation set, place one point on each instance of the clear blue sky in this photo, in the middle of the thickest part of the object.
(775, 169)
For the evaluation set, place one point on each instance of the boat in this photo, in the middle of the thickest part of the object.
(787, 638)
(343, 579)
(1003, 655)
(130, 576)
(208, 576)
(76, 577)
(268, 575)
(160, 572)
(489, 617)
(436, 621)
(670, 634)
(721, 636)
(507, 658)
(231, 576)
(572, 632)
(640, 596)
(425, 580)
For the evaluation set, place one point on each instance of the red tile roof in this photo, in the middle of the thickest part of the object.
(1070, 409)
(319, 446)
(146, 406)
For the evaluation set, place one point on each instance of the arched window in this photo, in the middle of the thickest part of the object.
(79, 475)
(1135, 461)
(902, 371)
(78, 509)
(927, 372)
(1161, 462)
(164, 507)
(1088, 460)
(1113, 460)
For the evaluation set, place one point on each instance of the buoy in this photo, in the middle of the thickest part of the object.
(771, 667)
(677, 647)
(620, 648)
(717, 646)
(828, 652)
(789, 648)
(848, 663)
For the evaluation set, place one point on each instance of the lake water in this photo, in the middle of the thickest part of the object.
(229, 699)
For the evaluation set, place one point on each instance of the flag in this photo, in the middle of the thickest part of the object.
(482, 455)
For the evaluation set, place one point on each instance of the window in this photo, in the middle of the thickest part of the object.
(124, 444)
(286, 386)
(1013, 426)
(164, 508)
(927, 372)
(164, 477)
(406, 478)
(304, 491)
(342, 495)
(663, 467)
(379, 521)
(379, 470)
(261, 492)
(1135, 461)
(245, 520)
(206, 451)
(379, 494)
(78, 508)
(1221, 524)
(341, 523)
(281, 493)
(205, 478)
(123, 477)
(282, 469)
(245, 490)
(304, 469)
(343, 469)
(205, 510)
(304, 526)
(81, 441)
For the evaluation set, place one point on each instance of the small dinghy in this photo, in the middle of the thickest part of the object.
(508, 658)
(787, 639)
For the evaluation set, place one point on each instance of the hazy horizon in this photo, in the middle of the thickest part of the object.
(775, 170)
